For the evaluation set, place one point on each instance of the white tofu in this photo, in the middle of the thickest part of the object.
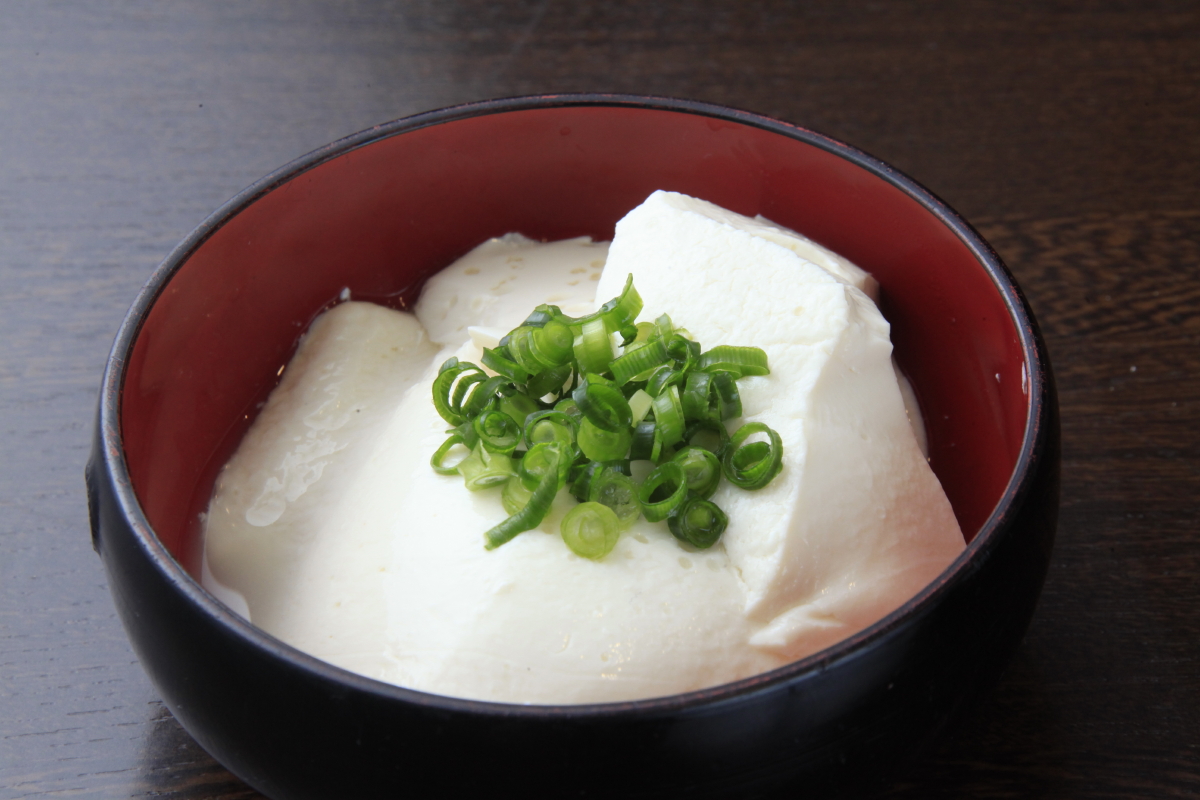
(274, 531)
(856, 523)
(347, 545)
(496, 285)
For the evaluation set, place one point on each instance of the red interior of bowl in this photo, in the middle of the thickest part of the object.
(380, 218)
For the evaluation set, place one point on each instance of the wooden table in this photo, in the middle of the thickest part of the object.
(1069, 135)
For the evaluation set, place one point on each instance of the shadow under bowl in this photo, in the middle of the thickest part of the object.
(380, 211)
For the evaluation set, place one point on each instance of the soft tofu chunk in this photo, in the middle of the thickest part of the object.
(496, 285)
(856, 523)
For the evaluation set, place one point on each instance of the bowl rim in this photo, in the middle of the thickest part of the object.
(1035, 365)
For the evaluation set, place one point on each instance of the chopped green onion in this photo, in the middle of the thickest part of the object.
(551, 344)
(619, 492)
(645, 440)
(550, 426)
(683, 351)
(753, 465)
(482, 395)
(549, 382)
(541, 315)
(616, 314)
(601, 445)
(701, 468)
(663, 327)
(515, 496)
(520, 345)
(623, 309)
(600, 420)
(707, 433)
(602, 404)
(662, 377)
(666, 479)
(452, 383)
(698, 522)
(439, 456)
(581, 481)
(483, 468)
(593, 347)
(635, 362)
(569, 407)
(729, 400)
(497, 431)
(540, 459)
(668, 413)
(534, 511)
(519, 407)
(741, 361)
(699, 397)
(591, 530)
(467, 432)
(639, 405)
(497, 361)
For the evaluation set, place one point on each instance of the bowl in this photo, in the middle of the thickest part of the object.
(381, 211)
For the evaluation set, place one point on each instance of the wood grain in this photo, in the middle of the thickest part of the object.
(1065, 132)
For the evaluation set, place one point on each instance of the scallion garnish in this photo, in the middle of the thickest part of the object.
(497, 431)
(483, 468)
(534, 511)
(701, 469)
(752, 465)
(591, 530)
(439, 456)
(698, 522)
(741, 361)
(662, 491)
(558, 407)
(618, 491)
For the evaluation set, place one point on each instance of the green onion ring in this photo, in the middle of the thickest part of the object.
(556, 417)
(668, 413)
(701, 468)
(593, 347)
(683, 351)
(729, 400)
(699, 397)
(483, 469)
(603, 404)
(707, 426)
(498, 361)
(551, 344)
(698, 522)
(662, 377)
(635, 362)
(497, 431)
(741, 361)
(618, 491)
(601, 445)
(541, 315)
(454, 379)
(668, 474)
(535, 510)
(591, 530)
(540, 458)
(515, 496)
(753, 465)
(641, 447)
(486, 394)
(549, 382)
(440, 454)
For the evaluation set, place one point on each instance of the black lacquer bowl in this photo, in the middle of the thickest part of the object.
(379, 212)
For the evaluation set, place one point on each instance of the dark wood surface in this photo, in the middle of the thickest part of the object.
(1068, 133)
